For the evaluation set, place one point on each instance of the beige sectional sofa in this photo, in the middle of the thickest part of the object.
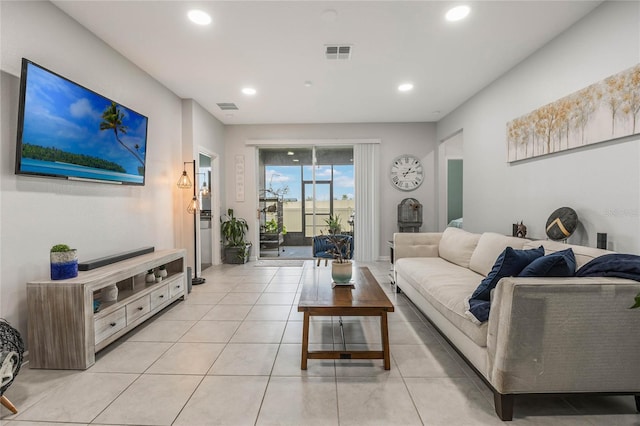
(544, 335)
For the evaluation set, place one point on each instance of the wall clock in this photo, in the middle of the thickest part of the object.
(406, 172)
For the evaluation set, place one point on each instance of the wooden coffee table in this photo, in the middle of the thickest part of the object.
(363, 298)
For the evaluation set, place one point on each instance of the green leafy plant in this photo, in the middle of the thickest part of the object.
(271, 226)
(233, 229)
(333, 222)
(60, 248)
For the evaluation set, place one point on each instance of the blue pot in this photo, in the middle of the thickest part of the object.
(64, 265)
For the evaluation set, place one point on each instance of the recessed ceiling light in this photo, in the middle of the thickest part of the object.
(295, 160)
(457, 13)
(290, 153)
(199, 17)
(405, 87)
(249, 91)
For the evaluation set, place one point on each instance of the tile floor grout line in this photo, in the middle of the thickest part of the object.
(188, 399)
(117, 396)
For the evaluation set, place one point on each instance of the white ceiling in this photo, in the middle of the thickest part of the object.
(275, 46)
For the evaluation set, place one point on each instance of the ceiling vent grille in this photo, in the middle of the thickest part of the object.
(227, 106)
(340, 52)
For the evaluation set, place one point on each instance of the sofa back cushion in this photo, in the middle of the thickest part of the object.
(457, 246)
(489, 248)
(583, 254)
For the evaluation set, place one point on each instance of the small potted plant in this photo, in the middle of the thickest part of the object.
(64, 262)
(236, 249)
(341, 270)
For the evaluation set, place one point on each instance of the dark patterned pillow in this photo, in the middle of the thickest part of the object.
(558, 264)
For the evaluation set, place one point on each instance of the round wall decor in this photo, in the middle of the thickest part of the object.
(406, 172)
(562, 223)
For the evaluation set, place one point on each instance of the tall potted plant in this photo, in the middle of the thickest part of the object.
(236, 249)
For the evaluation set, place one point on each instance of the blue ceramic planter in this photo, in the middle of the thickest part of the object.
(64, 265)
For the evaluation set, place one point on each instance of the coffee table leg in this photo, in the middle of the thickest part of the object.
(384, 328)
(305, 341)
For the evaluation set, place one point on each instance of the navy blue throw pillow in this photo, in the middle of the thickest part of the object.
(480, 309)
(509, 264)
(558, 264)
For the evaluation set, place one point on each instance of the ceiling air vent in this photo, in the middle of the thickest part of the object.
(227, 106)
(333, 51)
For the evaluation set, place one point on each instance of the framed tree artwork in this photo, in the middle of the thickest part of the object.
(609, 109)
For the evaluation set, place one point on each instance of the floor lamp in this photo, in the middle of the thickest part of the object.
(185, 183)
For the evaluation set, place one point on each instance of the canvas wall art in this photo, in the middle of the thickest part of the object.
(609, 109)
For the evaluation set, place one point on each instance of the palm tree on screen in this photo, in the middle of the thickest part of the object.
(112, 120)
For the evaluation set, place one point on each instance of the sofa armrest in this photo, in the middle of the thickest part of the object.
(416, 244)
(564, 335)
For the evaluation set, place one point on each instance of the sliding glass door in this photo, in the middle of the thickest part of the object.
(313, 184)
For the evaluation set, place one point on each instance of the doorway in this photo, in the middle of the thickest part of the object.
(451, 182)
(208, 173)
(454, 190)
(204, 197)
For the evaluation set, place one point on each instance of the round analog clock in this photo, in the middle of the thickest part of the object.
(406, 172)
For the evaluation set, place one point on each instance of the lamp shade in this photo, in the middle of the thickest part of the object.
(184, 182)
(193, 206)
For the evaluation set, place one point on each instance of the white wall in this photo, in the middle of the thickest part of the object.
(396, 138)
(204, 133)
(96, 219)
(601, 182)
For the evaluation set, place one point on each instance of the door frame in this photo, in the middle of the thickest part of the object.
(216, 252)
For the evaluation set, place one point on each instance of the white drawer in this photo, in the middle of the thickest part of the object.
(159, 297)
(137, 308)
(176, 288)
(109, 325)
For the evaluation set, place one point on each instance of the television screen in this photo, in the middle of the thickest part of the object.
(68, 131)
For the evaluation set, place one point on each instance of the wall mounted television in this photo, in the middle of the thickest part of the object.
(68, 131)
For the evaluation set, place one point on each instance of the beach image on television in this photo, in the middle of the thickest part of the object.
(69, 130)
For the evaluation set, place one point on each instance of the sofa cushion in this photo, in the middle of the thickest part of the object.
(559, 264)
(489, 248)
(509, 264)
(583, 254)
(457, 246)
(444, 285)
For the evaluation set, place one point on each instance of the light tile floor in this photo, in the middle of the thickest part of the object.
(230, 355)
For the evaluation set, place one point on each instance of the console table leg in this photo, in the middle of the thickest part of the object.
(384, 329)
(637, 397)
(305, 341)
